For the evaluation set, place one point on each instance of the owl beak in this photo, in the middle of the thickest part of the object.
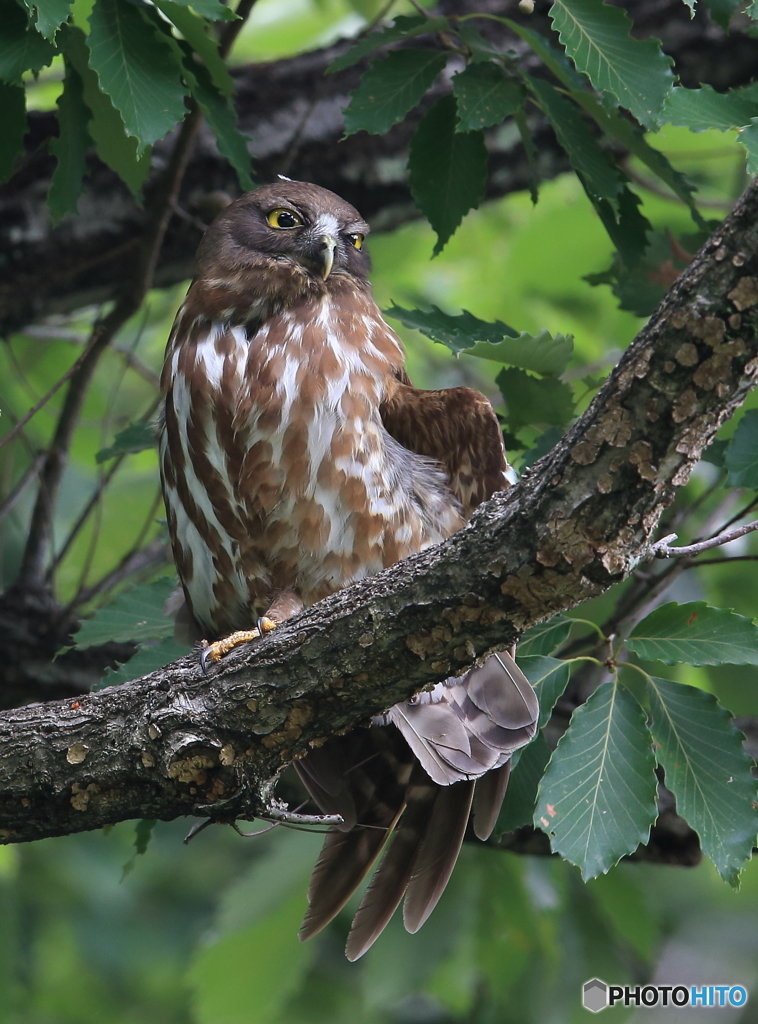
(327, 244)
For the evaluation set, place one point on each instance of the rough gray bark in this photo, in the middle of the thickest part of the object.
(292, 113)
(176, 743)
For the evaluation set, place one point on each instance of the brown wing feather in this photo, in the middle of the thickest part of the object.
(458, 427)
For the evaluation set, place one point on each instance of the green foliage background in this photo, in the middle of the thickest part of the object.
(206, 933)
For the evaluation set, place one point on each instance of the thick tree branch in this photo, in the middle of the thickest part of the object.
(176, 743)
(292, 114)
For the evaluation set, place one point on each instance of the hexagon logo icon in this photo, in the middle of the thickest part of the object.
(595, 995)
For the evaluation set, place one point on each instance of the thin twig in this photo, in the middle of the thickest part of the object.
(31, 471)
(663, 549)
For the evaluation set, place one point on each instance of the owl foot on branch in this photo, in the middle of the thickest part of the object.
(211, 654)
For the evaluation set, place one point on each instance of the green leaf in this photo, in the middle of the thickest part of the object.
(544, 638)
(137, 69)
(707, 770)
(695, 634)
(742, 454)
(447, 170)
(626, 226)
(49, 15)
(22, 48)
(12, 127)
(142, 834)
(521, 795)
(628, 134)
(390, 88)
(137, 437)
(597, 798)
(530, 152)
(596, 37)
(748, 137)
(106, 126)
(600, 177)
(485, 95)
(403, 27)
(542, 353)
(530, 401)
(214, 10)
(147, 659)
(194, 31)
(70, 148)
(545, 443)
(722, 11)
(221, 116)
(704, 108)
(134, 615)
(549, 677)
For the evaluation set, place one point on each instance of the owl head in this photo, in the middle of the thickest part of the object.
(291, 222)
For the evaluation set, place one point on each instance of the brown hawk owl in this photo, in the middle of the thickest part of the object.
(297, 458)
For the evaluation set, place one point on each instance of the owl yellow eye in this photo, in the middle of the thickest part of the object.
(284, 219)
(356, 241)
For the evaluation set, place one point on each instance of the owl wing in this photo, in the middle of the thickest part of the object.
(461, 735)
(458, 428)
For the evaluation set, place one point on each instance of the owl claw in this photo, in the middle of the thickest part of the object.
(211, 654)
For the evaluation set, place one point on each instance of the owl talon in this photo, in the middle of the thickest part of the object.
(211, 654)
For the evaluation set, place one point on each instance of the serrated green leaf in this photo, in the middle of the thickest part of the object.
(447, 170)
(707, 770)
(142, 833)
(193, 28)
(137, 69)
(12, 127)
(547, 440)
(221, 116)
(596, 37)
(695, 634)
(480, 49)
(390, 88)
(135, 615)
(545, 638)
(549, 677)
(530, 152)
(70, 148)
(521, 794)
(106, 126)
(627, 228)
(531, 401)
(748, 137)
(628, 134)
(22, 48)
(147, 659)
(722, 11)
(541, 353)
(597, 798)
(599, 176)
(49, 15)
(485, 95)
(704, 108)
(741, 457)
(137, 437)
(403, 27)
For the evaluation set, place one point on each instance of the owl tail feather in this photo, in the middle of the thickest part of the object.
(413, 788)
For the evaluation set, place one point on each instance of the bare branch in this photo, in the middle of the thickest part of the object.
(663, 549)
